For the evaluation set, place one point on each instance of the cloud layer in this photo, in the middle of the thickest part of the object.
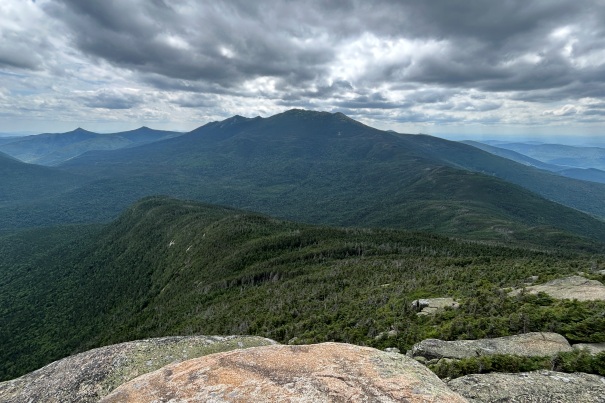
(442, 65)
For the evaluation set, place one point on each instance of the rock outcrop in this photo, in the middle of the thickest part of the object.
(574, 287)
(428, 306)
(243, 369)
(535, 387)
(388, 335)
(89, 376)
(528, 345)
(329, 372)
(592, 348)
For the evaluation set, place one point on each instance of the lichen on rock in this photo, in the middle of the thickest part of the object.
(535, 387)
(328, 372)
(428, 306)
(574, 287)
(89, 376)
(592, 348)
(527, 345)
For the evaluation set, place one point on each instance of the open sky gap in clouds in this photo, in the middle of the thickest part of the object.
(440, 66)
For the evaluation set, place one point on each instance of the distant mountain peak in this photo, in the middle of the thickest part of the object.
(142, 129)
(311, 114)
(303, 112)
(232, 121)
(79, 130)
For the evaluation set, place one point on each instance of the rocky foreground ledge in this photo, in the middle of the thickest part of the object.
(328, 372)
(254, 369)
(89, 376)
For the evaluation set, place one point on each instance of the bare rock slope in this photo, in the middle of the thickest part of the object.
(528, 345)
(328, 372)
(534, 387)
(245, 369)
(574, 287)
(592, 348)
(89, 376)
(428, 306)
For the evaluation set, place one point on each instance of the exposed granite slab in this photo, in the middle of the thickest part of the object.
(428, 306)
(527, 345)
(592, 348)
(88, 376)
(574, 287)
(534, 387)
(328, 372)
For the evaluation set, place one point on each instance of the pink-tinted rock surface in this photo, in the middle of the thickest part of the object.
(329, 372)
(87, 377)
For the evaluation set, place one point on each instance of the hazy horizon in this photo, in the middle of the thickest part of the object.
(569, 139)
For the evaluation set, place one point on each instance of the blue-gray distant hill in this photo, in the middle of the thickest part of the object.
(514, 156)
(53, 148)
(8, 139)
(559, 154)
(586, 174)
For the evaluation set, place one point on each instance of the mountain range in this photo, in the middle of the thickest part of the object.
(559, 154)
(53, 148)
(325, 168)
(586, 173)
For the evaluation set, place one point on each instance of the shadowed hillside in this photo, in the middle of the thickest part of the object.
(24, 183)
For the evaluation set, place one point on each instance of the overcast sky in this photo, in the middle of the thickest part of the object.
(439, 66)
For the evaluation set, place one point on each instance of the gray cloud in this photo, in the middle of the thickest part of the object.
(594, 112)
(111, 99)
(196, 101)
(12, 55)
(215, 42)
(439, 60)
(430, 96)
(227, 44)
(419, 117)
(372, 101)
(23, 47)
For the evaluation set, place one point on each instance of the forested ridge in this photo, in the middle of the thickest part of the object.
(170, 267)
